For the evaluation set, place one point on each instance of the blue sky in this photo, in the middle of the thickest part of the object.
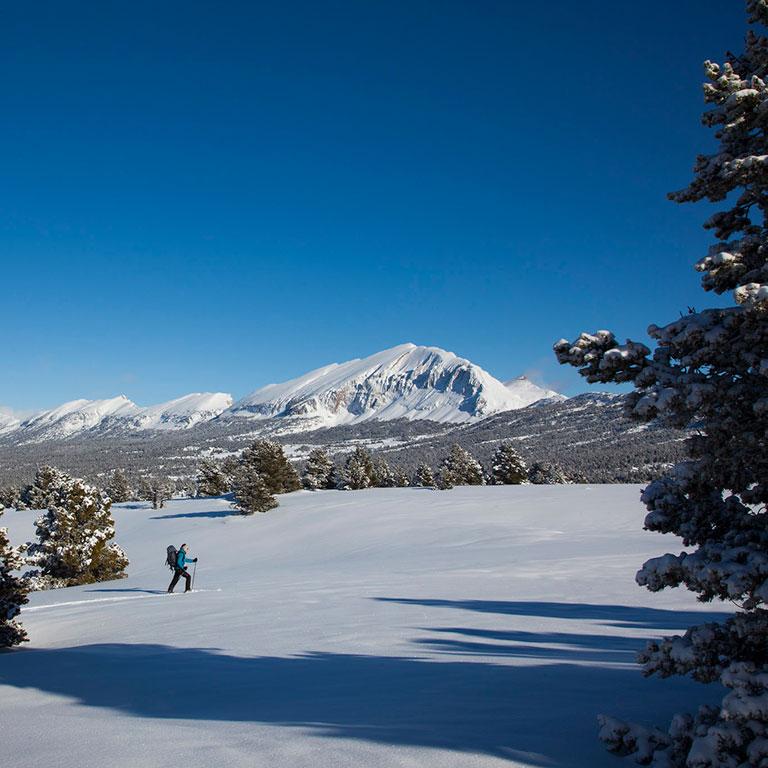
(215, 196)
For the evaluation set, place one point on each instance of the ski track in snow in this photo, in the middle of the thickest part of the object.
(385, 628)
(114, 599)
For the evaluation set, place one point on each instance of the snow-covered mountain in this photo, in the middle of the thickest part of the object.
(405, 382)
(116, 414)
(527, 392)
(8, 421)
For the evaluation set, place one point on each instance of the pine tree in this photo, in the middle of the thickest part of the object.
(424, 477)
(251, 492)
(400, 478)
(445, 479)
(13, 592)
(144, 491)
(267, 459)
(709, 369)
(358, 470)
(118, 489)
(507, 466)
(160, 491)
(211, 480)
(39, 495)
(75, 538)
(460, 468)
(336, 479)
(10, 497)
(544, 473)
(317, 473)
(382, 474)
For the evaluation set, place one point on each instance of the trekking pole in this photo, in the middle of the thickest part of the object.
(194, 571)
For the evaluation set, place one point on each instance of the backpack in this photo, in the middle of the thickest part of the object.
(170, 557)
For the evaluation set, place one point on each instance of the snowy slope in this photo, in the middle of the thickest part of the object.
(473, 628)
(182, 413)
(77, 416)
(527, 392)
(119, 414)
(8, 421)
(405, 382)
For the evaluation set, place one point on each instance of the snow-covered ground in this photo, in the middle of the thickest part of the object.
(398, 627)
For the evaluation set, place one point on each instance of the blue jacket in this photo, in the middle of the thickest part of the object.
(181, 559)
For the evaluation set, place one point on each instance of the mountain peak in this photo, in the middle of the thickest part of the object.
(403, 382)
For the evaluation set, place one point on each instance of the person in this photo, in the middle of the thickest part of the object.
(180, 571)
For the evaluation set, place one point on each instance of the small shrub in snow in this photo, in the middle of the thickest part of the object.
(75, 538)
(710, 369)
(13, 592)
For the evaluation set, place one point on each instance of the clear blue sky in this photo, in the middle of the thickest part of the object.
(214, 196)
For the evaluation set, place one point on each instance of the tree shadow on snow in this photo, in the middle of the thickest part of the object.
(197, 515)
(630, 617)
(535, 645)
(130, 589)
(538, 714)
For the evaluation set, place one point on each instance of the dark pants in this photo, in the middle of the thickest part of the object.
(177, 574)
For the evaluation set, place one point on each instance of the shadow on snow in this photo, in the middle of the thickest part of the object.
(630, 617)
(198, 515)
(535, 713)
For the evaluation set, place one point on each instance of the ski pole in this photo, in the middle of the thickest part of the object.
(194, 571)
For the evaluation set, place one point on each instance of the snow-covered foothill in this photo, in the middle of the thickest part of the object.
(474, 628)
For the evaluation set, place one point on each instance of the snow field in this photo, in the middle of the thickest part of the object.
(385, 627)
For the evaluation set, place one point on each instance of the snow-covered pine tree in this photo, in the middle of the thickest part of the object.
(545, 473)
(400, 478)
(462, 468)
(144, 489)
(317, 473)
(251, 492)
(267, 459)
(39, 495)
(118, 489)
(711, 368)
(424, 477)
(211, 480)
(13, 592)
(445, 479)
(75, 538)
(10, 498)
(336, 479)
(507, 466)
(358, 470)
(382, 473)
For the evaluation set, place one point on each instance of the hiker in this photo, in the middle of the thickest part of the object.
(181, 570)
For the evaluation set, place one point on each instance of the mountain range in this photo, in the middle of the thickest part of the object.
(405, 382)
